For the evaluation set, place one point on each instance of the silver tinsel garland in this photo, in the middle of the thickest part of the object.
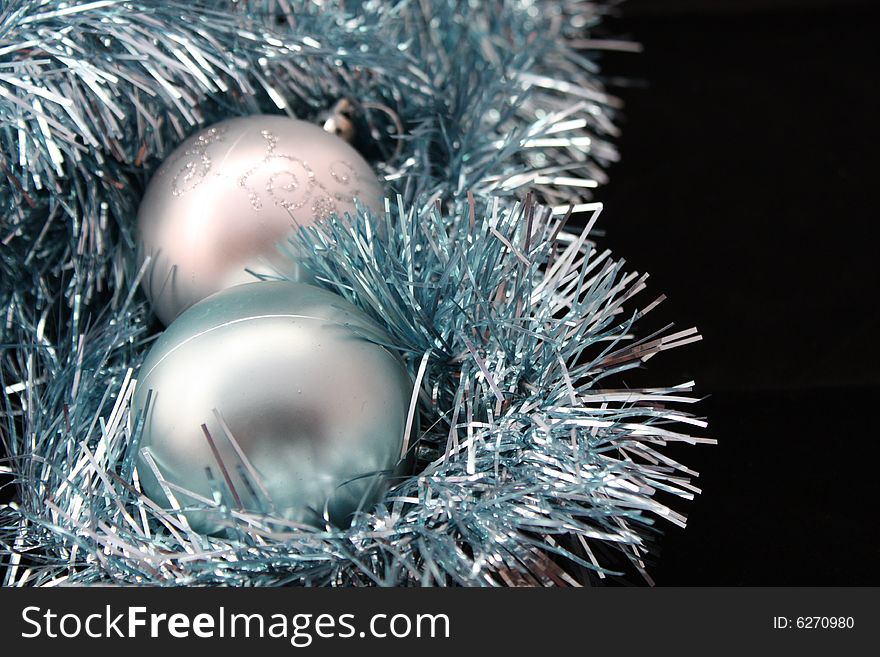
(489, 126)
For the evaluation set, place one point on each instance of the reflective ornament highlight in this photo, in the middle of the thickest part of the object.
(218, 207)
(271, 397)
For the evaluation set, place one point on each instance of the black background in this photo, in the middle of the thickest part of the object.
(747, 189)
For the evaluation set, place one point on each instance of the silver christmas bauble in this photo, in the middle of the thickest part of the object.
(222, 202)
(278, 394)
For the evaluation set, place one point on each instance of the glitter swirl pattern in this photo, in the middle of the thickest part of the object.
(292, 185)
(198, 165)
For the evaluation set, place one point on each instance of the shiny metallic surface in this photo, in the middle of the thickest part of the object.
(300, 405)
(217, 209)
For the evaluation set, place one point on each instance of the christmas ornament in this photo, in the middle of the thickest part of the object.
(272, 395)
(216, 210)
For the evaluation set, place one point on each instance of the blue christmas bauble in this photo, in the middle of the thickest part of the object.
(273, 397)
